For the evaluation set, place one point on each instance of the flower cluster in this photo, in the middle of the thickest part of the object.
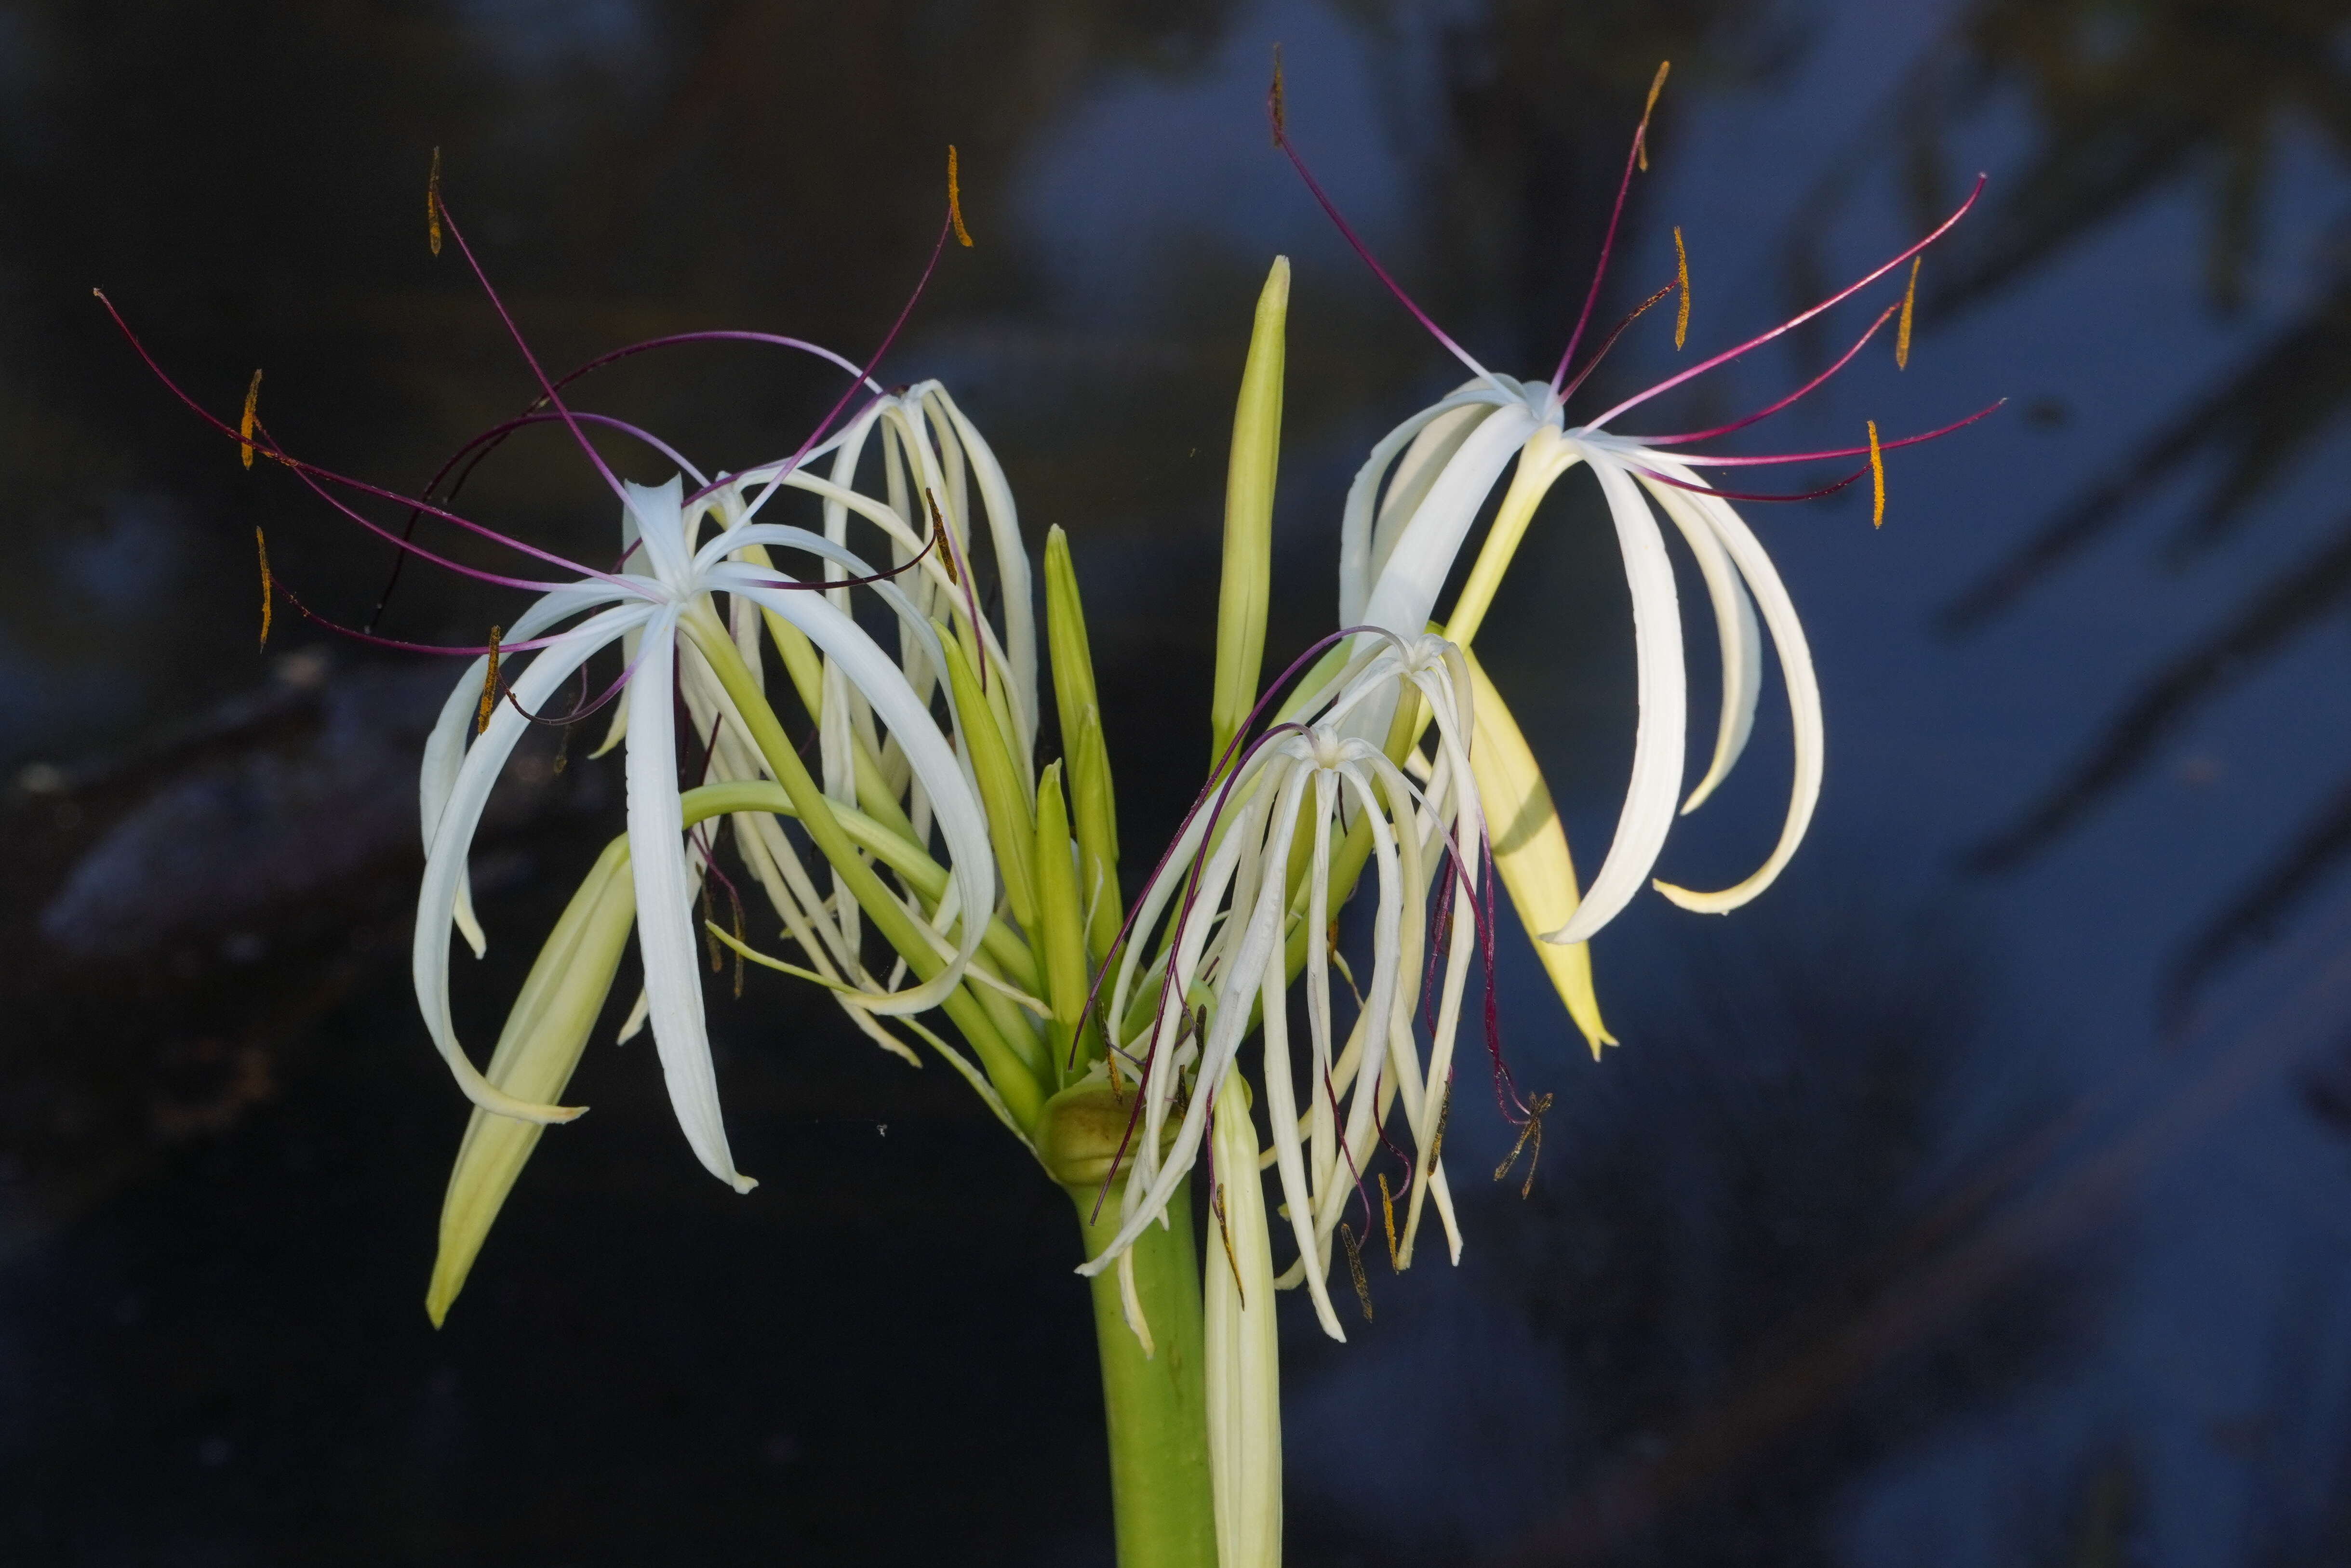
(918, 856)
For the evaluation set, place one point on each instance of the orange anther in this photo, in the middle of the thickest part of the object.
(1641, 136)
(245, 425)
(268, 588)
(955, 201)
(1902, 328)
(1877, 479)
(432, 204)
(1681, 281)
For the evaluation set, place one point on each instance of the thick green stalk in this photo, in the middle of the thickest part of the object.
(1156, 1408)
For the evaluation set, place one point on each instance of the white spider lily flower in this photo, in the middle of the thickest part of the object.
(668, 596)
(1392, 568)
(1413, 503)
(1226, 890)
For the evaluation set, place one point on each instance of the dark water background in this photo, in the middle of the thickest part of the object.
(1978, 1197)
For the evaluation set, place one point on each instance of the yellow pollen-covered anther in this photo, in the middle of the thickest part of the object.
(1387, 1218)
(955, 201)
(268, 588)
(1681, 281)
(245, 424)
(1641, 136)
(1877, 479)
(489, 685)
(432, 204)
(1902, 328)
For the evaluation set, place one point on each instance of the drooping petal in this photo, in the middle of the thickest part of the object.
(1803, 696)
(1281, 1114)
(1260, 938)
(445, 744)
(1655, 787)
(445, 863)
(957, 810)
(1531, 853)
(1735, 631)
(1012, 557)
(665, 929)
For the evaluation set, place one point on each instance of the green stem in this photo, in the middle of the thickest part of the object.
(1157, 1409)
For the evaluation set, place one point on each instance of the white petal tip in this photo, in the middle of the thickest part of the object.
(1698, 796)
(1702, 903)
(742, 1182)
(1577, 929)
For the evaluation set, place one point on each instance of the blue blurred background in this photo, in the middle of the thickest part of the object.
(1980, 1195)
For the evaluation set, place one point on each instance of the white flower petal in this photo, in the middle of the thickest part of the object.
(1415, 471)
(1735, 630)
(445, 863)
(1355, 525)
(666, 928)
(1403, 596)
(1803, 696)
(1011, 563)
(444, 746)
(1649, 801)
(961, 821)
(661, 528)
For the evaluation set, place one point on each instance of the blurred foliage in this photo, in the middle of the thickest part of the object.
(2126, 102)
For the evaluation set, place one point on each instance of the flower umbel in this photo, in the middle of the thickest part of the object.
(920, 856)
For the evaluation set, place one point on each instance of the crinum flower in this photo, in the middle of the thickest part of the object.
(1234, 905)
(659, 606)
(1415, 500)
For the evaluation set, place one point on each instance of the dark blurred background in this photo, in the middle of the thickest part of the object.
(1978, 1197)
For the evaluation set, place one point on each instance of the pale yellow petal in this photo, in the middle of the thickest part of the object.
(544, 1033)
(1531, 850)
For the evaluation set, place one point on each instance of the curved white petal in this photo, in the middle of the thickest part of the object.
(445, 863)
(444, 746)
(665, 927)
(1648, 811)
(1415, 471)
(1244, 965)
(1355, 520)
(1735, 631)
(1404, 594)
(1803, 696)
(1017, 597)
(955, 805)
